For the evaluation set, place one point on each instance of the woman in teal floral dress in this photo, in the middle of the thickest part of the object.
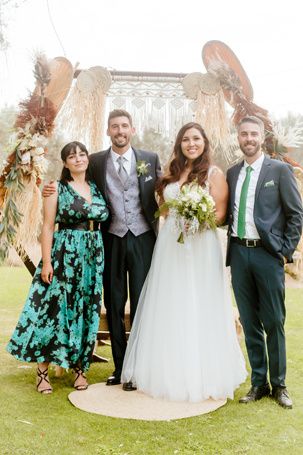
(60, 318)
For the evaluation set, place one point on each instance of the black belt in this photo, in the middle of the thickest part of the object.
(89, 225)
(249, 243)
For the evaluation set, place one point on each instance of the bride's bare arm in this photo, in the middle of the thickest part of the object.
(219, 191)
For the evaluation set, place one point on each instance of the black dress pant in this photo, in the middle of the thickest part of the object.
(259, 285)
(127, 262)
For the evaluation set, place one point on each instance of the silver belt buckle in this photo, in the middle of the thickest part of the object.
(91, 225)
(251, 243)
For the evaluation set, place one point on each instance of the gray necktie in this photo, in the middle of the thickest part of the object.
(122, 171)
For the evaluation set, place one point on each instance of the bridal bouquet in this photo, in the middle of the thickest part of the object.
(193, 210)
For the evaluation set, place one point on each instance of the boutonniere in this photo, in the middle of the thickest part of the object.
(142, 167)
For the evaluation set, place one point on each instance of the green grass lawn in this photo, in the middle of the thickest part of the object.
(31, 423)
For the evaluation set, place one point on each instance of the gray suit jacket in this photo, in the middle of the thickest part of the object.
(278, 212)
(97, 172)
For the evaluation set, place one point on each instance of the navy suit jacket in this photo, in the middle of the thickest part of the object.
(97, 172)
(278, 213)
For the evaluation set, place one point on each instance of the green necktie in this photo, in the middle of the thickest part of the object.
(242, 205)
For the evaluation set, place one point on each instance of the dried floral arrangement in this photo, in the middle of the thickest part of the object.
(20, 199)
(226, 80)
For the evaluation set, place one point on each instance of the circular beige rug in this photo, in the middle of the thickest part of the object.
(114, 402)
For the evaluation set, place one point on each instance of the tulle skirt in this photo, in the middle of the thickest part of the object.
(183, 344)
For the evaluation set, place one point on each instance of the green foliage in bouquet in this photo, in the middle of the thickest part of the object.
(194, 210)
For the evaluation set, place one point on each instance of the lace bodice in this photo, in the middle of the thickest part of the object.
(172, 190)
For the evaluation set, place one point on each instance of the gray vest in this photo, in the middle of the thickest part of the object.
(125, 204)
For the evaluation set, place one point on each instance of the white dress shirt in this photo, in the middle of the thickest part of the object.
(127, 162)
(250, 227)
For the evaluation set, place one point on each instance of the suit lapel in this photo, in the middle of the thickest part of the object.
(264, 169)
(103, 170)
(138, 157)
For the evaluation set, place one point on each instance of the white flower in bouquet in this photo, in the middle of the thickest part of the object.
(194, 210)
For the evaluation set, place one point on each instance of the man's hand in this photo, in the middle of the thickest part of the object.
(49, 189)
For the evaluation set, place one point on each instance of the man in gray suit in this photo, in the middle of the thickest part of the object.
(265, 224)
(127, 180)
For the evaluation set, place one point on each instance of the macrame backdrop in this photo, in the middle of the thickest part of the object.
(156, 101)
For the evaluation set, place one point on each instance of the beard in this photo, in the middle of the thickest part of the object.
(256, 147)
(120, 141)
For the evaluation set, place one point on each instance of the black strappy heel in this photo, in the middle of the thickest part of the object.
(42, 375)
(79, 373)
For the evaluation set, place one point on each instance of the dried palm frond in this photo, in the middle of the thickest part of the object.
(231, 85)
(37, 109)
(245, 108)
(42, 74)
(228, 79)
(290, 136)
(62, 72)
(279, 139)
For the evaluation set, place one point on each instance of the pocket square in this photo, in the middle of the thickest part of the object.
(270, 183)
(149, 177)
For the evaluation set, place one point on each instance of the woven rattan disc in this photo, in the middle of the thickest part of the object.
(114, 402)
(103, 76)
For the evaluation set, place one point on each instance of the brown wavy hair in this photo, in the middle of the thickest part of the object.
(119, 113)
(178, 161)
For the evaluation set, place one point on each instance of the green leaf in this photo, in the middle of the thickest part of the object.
(181, 238)
(162, 209)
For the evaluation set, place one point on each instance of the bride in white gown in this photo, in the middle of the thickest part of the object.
(183, 344)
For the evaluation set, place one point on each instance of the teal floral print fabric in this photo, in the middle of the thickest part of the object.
(59, 321)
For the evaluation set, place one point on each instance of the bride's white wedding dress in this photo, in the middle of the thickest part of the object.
(183, 344)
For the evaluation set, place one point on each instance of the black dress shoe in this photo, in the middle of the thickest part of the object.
(281, 396)
(128, 386)
(256, 393)
(113, 380)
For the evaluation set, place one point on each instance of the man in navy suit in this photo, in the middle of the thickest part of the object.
(265, 224)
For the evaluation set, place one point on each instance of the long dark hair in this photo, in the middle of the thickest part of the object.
(178, 161)
(65, 152)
